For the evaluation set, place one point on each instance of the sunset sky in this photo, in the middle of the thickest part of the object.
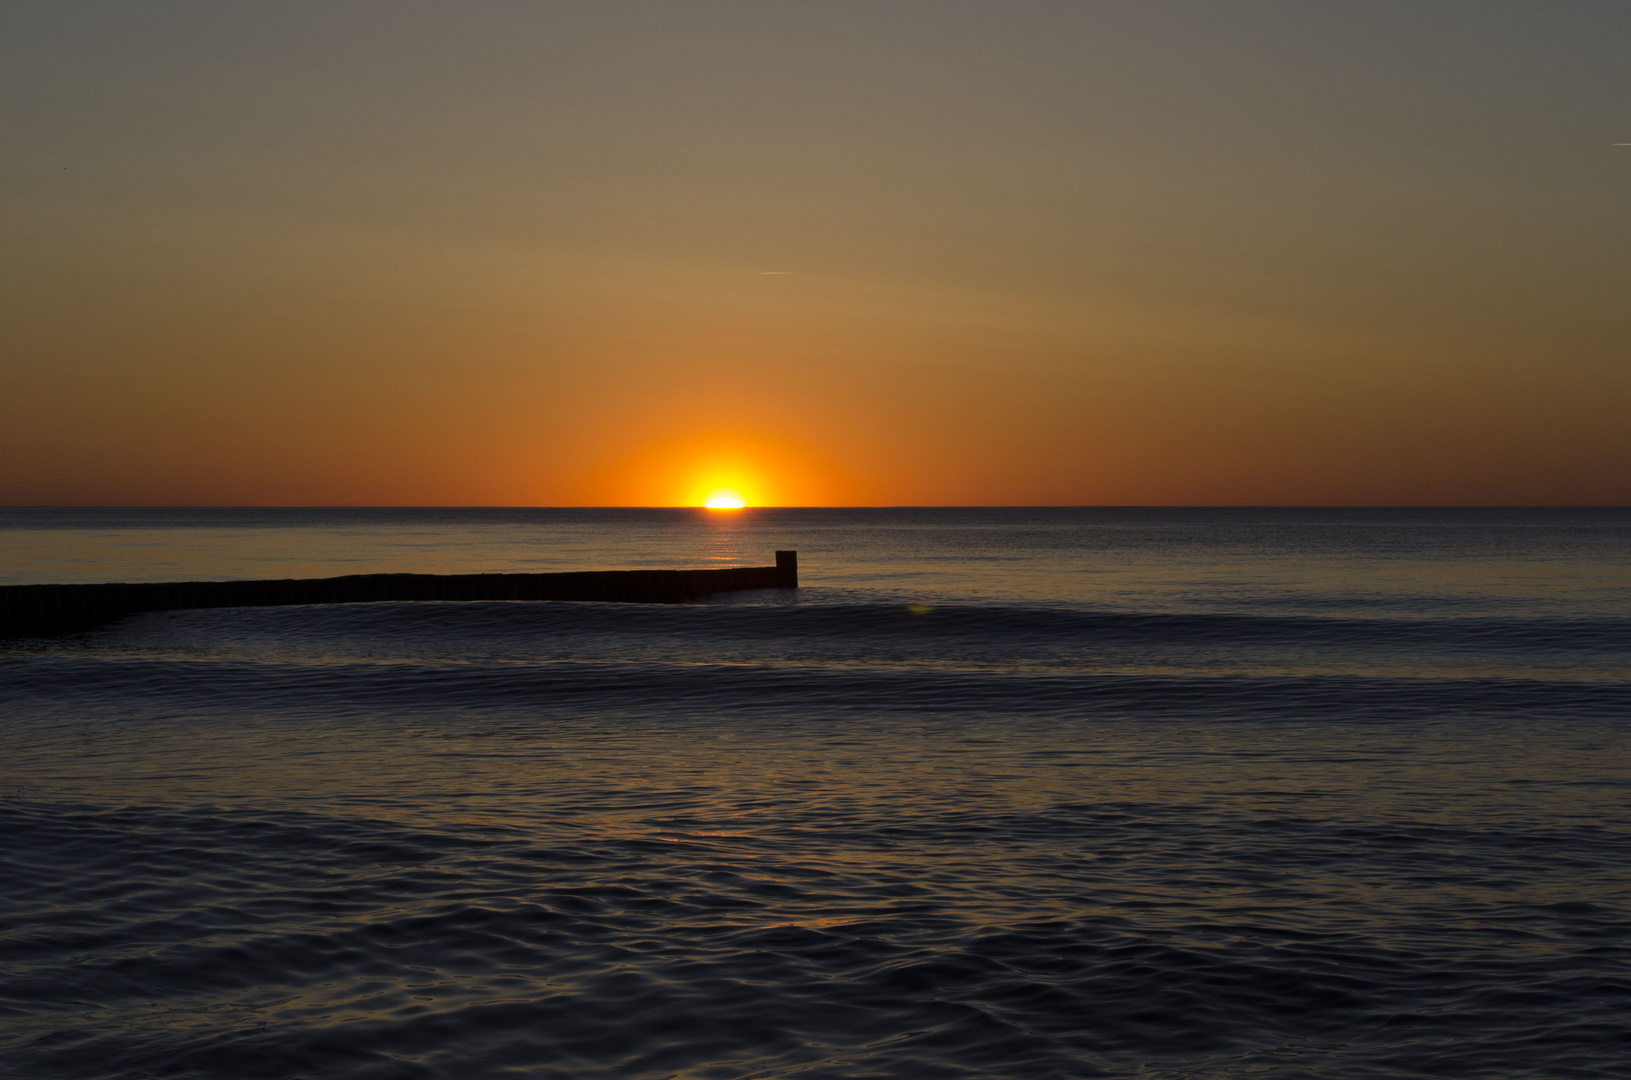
(824, 253)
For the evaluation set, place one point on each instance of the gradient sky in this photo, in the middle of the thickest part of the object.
(829, 252)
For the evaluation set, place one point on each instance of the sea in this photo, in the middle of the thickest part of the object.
(1033, 793)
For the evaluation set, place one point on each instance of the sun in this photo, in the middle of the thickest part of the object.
(724, 499)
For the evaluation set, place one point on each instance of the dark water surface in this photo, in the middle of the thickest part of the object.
(1063, 793)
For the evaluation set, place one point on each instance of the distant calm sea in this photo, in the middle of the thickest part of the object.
(998, 793)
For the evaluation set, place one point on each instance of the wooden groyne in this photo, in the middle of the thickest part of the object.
(31, 610)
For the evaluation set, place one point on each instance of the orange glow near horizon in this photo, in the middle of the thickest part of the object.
(721, 471)
(724, 499)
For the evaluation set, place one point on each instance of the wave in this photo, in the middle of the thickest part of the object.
(985, 621)
(413, 630)
(808, 692)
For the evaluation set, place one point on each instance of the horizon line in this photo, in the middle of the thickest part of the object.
(854, 506)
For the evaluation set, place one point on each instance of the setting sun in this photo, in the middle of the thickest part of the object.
(724, 499)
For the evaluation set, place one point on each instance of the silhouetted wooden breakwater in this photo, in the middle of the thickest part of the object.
(28, 610)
